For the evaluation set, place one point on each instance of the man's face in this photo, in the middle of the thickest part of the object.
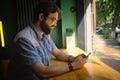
(45, 27)
(49, 23)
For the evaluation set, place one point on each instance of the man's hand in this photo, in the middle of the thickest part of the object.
(79, 61)
(82, 55)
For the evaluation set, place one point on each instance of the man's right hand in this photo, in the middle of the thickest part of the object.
(79, 62)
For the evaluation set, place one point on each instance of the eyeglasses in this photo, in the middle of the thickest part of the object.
(53, 20)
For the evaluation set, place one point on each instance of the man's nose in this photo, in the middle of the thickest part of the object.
(54, 24)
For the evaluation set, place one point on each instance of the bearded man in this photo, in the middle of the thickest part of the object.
(34, 47)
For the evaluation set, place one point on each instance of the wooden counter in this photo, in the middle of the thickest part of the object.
(94, 69)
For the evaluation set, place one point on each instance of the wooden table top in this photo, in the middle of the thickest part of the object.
(94, 69)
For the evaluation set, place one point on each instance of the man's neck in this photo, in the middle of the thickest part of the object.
(39, 29)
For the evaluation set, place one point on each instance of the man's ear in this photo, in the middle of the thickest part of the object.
(41, 16)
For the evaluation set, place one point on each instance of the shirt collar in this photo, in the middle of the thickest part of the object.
(45, 36)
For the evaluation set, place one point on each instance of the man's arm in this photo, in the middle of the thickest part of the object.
(49, 71)
(62, 56)
(53, 70)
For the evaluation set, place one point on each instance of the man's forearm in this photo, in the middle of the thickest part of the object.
(62, 56)
(52, 71)
(65, 57)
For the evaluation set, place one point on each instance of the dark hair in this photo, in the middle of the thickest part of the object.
(45, 8)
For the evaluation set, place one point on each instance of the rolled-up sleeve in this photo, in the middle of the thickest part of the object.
(27, 53)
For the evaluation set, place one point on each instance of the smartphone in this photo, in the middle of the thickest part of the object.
(85, 56)
(88, 55)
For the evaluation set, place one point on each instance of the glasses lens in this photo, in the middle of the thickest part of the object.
(53, 20)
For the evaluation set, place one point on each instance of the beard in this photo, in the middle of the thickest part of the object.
(46, 29)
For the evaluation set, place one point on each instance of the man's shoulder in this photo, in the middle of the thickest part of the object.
(27, 33)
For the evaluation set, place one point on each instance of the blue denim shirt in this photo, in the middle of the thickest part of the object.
(31, 48)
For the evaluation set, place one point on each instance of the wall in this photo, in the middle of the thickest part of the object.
(85, 24)
(68, 19)
(80, 24)
(57, 31)
(88, 26)
(57, 35)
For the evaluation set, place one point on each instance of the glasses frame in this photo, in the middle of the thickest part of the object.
(53, 20)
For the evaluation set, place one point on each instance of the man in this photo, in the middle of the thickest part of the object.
(34, 47)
